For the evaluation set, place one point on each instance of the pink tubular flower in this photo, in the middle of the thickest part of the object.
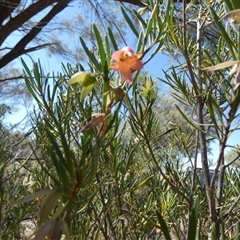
(126, 61)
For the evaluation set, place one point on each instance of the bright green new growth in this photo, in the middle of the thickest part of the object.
(84, 78)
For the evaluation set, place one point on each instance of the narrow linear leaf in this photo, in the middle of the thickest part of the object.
(100, 46)
(193, 219)
(221, 65)
(184, 116)
(111, 36)
(223, 31)
(141, 184)
(44, 230)
(90, 55)
(56, 231)
(34, 196)
(163, 225)
(48, 205)
(213, 232)
(148, 31)
(130, 23)
(144, 24)
(65, 230)
(108, 49)
(211, 109)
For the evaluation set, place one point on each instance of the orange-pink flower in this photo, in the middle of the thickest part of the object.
(126, 61)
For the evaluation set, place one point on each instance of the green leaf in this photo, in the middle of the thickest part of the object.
(29, 80)
(34, 196)
(108, 49)
(141, 184)
(77, 77)
(130, 23)
(148, 202)
(143, 88)
(90, 55)
(140, 45)
(156, 50)
(59, 209)
(184, 116)
(223, 31)
(44, 230)
(65, 230)
(148, 84)
(235, 104)
(100, 46)
(212, 109)
(148, 31)
(88, 80)
(163, 225)
(49, 204)
(60, 163)
(111, 36)
(222, 65)
(143, 22)
(86, 91)
(213, 232)
(193, 219)
(56, 231)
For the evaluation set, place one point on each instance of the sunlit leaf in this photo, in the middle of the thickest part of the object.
(148, 84)
(77, 77)
(237, 78)
(234, 15)
(221, 65)
(234, 69)
(144, 94)
(144, 89)
(85, 78)
(86, 91)
(193, 219)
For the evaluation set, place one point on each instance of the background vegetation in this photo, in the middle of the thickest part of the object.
(106, 160)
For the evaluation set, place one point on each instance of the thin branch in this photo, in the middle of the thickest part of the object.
(232, 207)
(15, 23)
(12, 78)
(6, 8)
(18, 169)
(19, 48)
